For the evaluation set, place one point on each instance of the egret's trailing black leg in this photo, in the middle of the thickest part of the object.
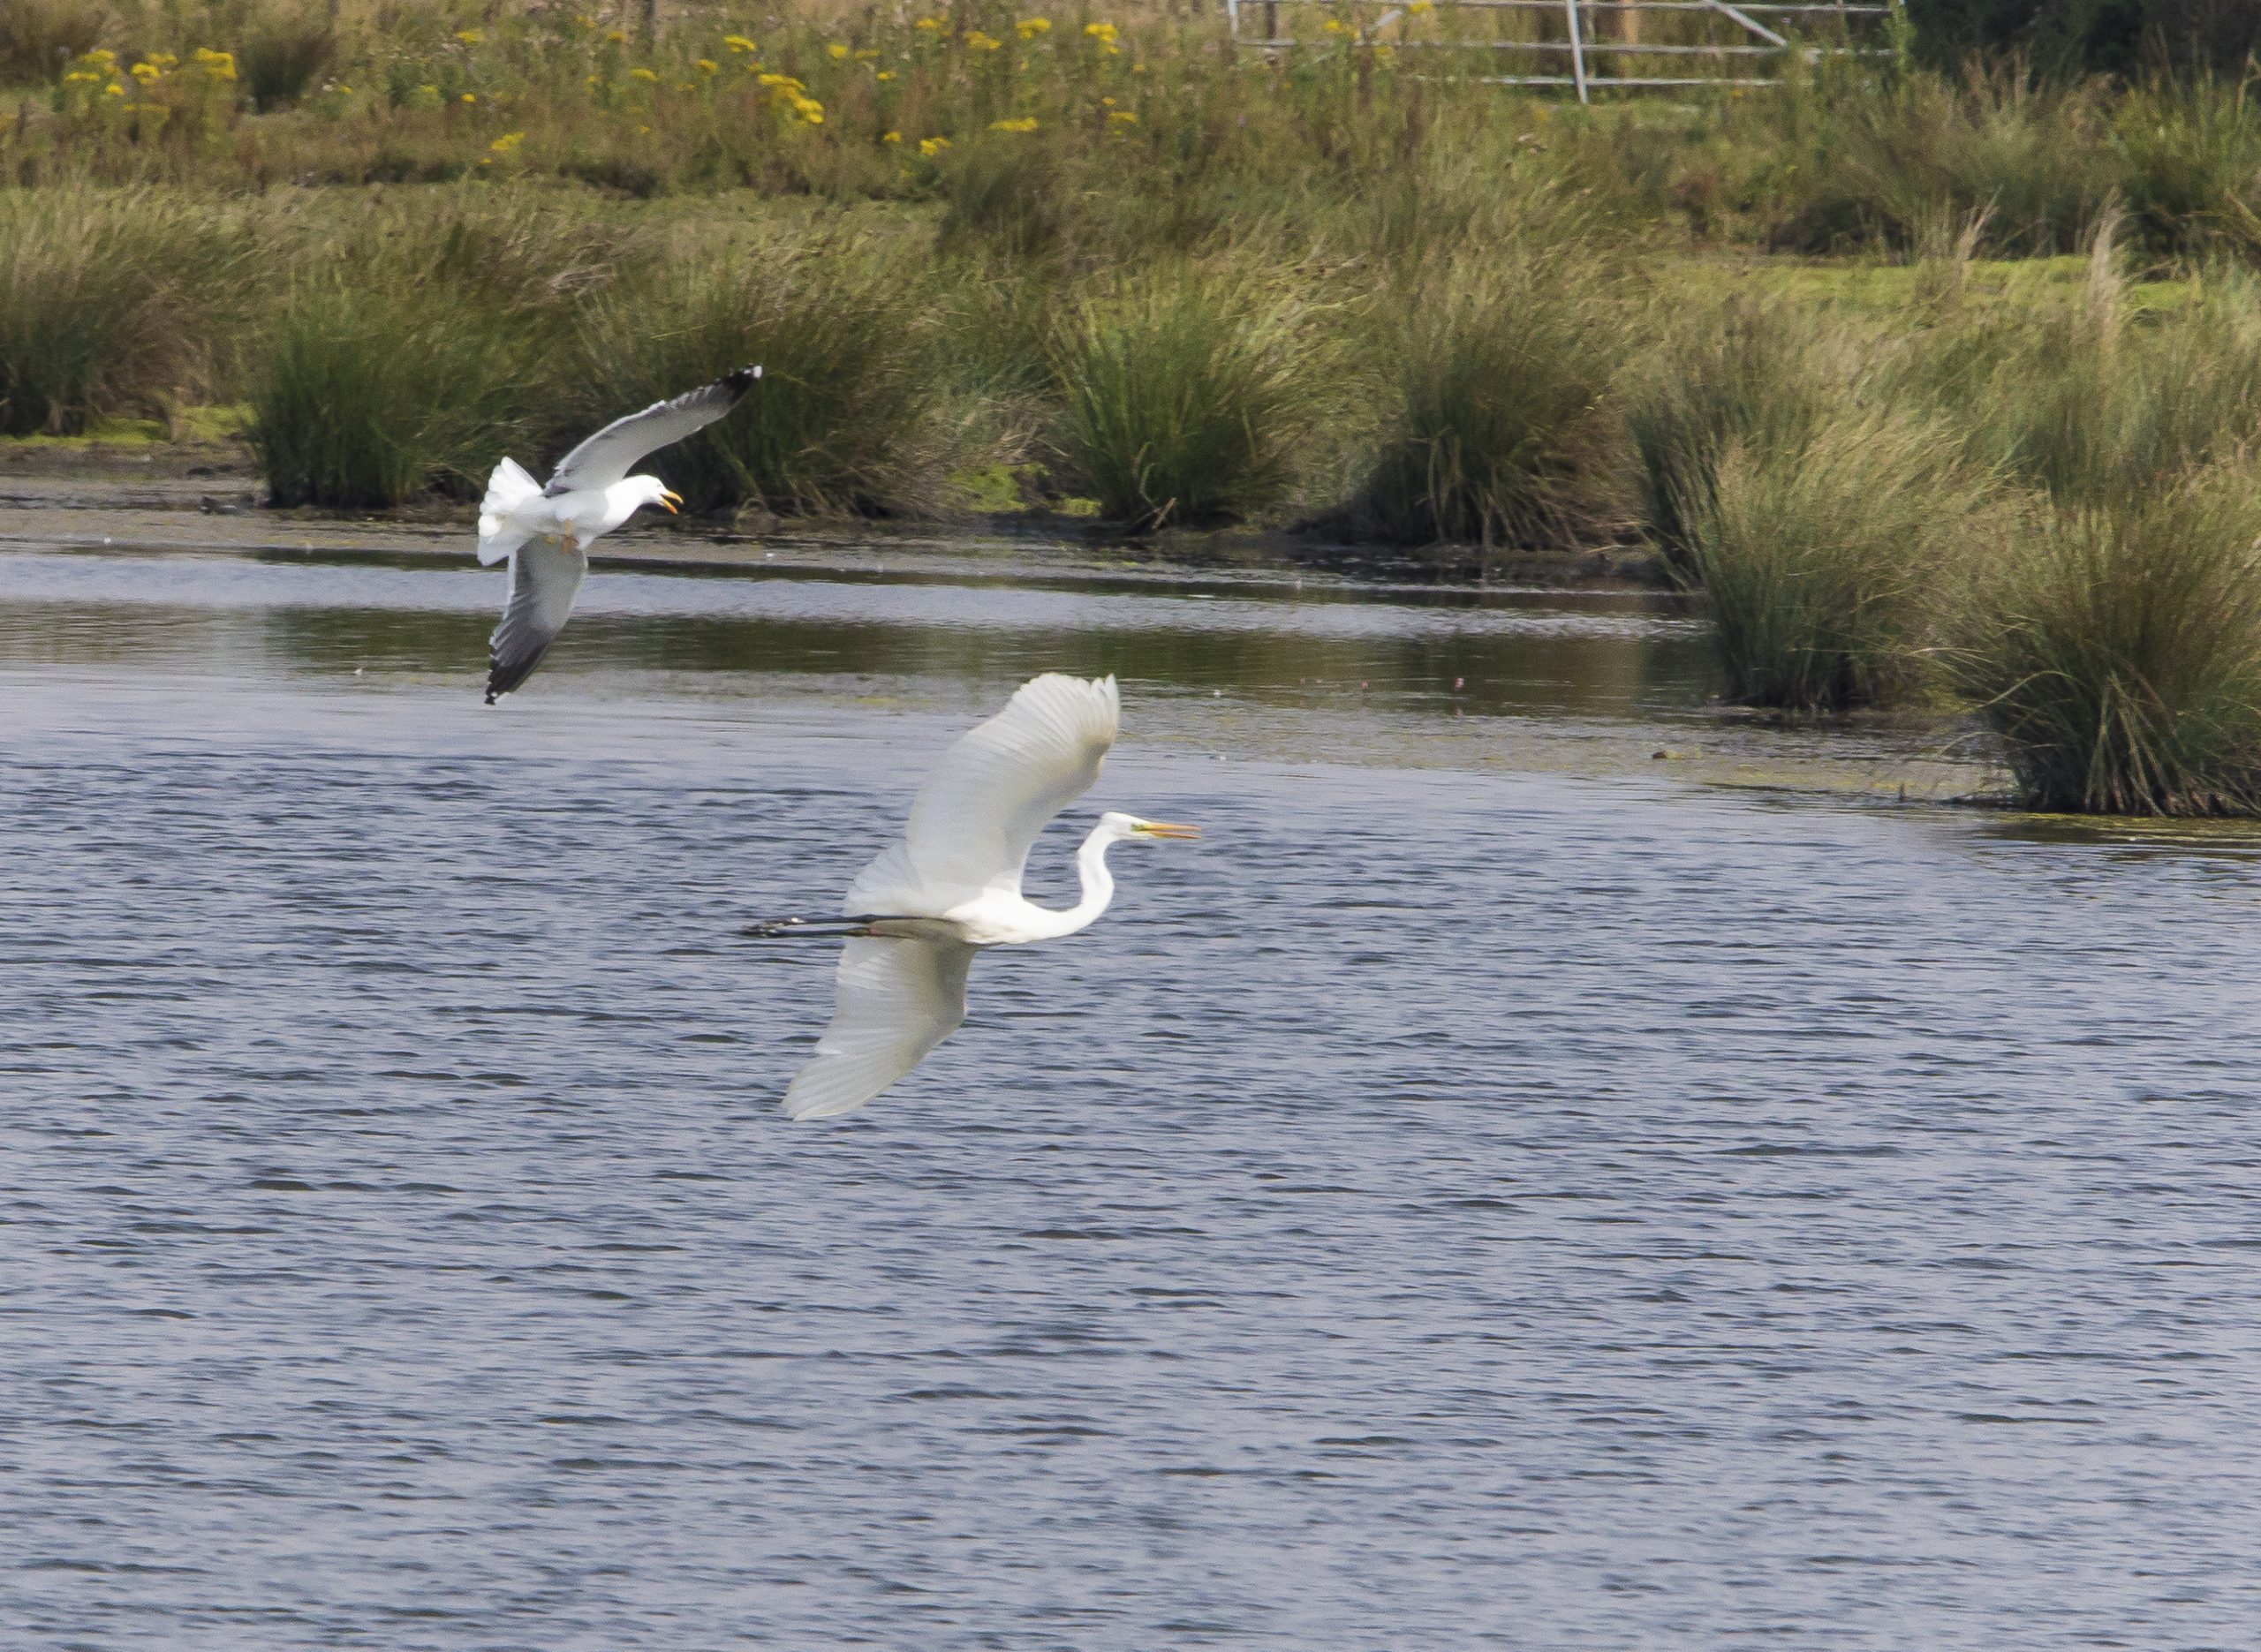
(811, 928)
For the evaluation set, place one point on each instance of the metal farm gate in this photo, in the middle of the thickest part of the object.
(1590, 44)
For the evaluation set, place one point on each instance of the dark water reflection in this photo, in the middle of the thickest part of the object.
(1616, 654)
(1539, 1212)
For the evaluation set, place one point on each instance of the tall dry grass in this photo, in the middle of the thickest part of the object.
(1824, 563)
(2116, 651)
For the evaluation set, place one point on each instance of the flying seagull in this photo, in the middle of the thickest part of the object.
(952, 884)
(546, 529)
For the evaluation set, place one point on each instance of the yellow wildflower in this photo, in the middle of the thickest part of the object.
(101, 55)
(144, 73)
(932, 147)
(617, 37)
(1026, 123)
(784, 81)
(809, 109)
(164, 60)
(80, 77)
(1334, 25)
(646, 75)
(738, 42)
(470, 36)
(976, 40)
(114, 90)
(220, 65)
(343, 90)
(836, 52)
(596, 80)
(890, 137)
(471, 97)
(1128, 117)
(869, 54)
(1107, 102)
(1103, 33)
(508, 142)
(1030, 27)
(1420, 8)
(884, 75)
(929, 26)
(705, 66)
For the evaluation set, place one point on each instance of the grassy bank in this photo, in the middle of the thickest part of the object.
(1880, 358)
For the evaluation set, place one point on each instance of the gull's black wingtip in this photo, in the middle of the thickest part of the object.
(742, 381)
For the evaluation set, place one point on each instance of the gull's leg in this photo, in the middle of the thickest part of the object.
(572, 545)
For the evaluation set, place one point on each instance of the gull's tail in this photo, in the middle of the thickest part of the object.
(506, 490)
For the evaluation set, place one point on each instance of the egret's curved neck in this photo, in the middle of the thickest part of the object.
(1098, 888)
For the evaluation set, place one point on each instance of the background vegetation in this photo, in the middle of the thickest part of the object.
(1931, 374)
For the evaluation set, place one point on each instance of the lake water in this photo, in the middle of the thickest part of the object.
(1499, 1189)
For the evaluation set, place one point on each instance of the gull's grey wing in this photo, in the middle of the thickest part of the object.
(897, 999)
(609, 454)
(544, 580)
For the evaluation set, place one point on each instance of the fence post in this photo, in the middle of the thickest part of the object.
(1578, 48)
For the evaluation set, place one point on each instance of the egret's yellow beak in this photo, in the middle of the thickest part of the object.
(1169, 829)
(670, 499)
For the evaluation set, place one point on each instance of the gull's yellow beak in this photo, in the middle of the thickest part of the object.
(1168, 829)
(670, 499)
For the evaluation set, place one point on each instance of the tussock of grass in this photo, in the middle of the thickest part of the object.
(1763, 377)
(106, 303)
(38, 38)
(2116, 651)
(1822, 561)
(1502, 429)
(1182, 396)
(284, 53)
(845, 416)
(365, 394)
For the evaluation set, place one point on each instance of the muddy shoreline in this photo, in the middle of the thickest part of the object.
(191, 496)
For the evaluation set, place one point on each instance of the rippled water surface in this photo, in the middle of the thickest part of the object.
(1464, 1202)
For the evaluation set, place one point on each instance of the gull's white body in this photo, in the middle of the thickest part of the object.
(546, 529)
(951, 885)
(516, 510)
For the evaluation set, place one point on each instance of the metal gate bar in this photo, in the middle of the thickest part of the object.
(1757, 40)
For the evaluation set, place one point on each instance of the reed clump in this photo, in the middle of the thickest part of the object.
(1501, 429)
(364, 395)
(2116, 651)
(109, 301)
(1763, 377)
(1181, 395)
(1822, 562)
(845, 417)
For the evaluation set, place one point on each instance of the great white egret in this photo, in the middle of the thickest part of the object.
(952, 884)
(545, 528)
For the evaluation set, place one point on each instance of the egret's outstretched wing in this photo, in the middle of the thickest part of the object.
(898, 1000)
(544, 580)
(975, 817)
(609, 454)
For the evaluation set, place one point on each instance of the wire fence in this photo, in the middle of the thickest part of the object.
(1598, 45)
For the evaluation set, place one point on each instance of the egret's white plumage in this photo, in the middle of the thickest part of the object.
(952, 884)
(546, 529)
